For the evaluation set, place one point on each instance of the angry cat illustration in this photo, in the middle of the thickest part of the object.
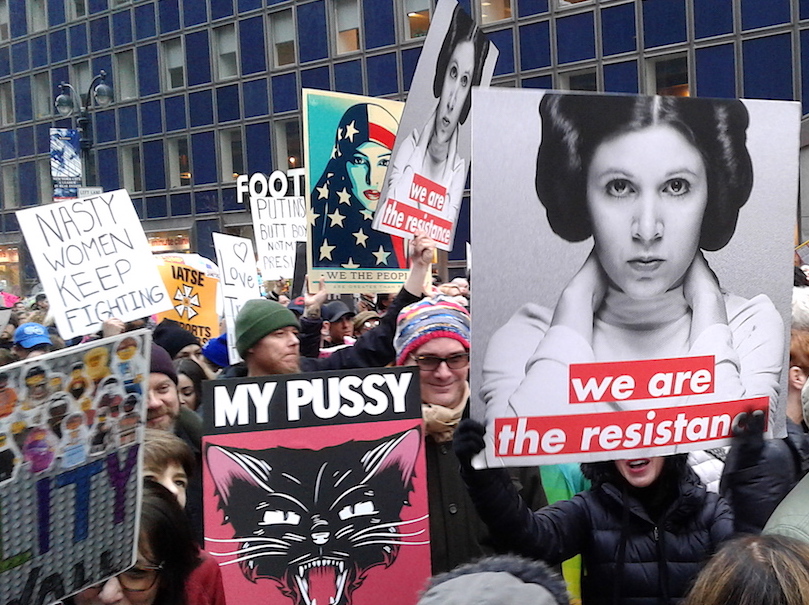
(316, 521)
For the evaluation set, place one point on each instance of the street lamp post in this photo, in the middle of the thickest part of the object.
(67, 104)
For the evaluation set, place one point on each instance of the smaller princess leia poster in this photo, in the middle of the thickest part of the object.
(425, 181)
(650, 292)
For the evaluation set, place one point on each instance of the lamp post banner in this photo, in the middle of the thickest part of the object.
(94, 261)
(66, 164)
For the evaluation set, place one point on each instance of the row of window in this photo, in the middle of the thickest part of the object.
(346, 17)
(232, 50)
(669, 76)
(168, 165)
(711, 17)
(177, 60)
(37, 14)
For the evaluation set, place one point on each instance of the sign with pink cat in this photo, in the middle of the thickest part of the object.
(314, 487)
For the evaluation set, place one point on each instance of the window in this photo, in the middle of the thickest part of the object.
(5, 32)
(283, 35)
(175, 63)
(494, 10)
(77, 8)
(37, 15)
(126, 80)
(45, 181)
(347, 18)
(131, 169)
(6, 104)
(230, 150)
(580, 80)
(179, 167)
(43, 98)
(227, 65)
(564, 3)
(288, 145)
(11, 188)
(669, 76)
(417, 18)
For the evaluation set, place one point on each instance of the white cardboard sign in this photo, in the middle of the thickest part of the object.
(94, 261)
(238, 280)
(278, 223)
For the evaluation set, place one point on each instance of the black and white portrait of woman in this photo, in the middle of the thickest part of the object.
(639, 202)
(430, 143)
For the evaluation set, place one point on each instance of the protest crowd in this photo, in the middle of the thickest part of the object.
(647, 530)
(318, 443)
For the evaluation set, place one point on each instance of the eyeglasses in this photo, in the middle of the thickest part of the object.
(430, 363)
(140, 577)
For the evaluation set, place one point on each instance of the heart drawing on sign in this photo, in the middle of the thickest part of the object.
(240, 250)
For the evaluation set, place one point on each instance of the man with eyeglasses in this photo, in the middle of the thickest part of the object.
(433, 334)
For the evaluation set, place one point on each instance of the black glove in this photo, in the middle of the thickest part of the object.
(468, 441)
(748, 437)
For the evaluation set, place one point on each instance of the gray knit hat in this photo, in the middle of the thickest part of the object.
(259, 317)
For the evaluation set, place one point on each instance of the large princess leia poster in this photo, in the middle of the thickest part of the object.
(643, 311)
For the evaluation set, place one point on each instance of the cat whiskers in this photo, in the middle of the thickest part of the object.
(252, 548)
(244, 539)
(392, 524)
(249, 559)
(373, 535)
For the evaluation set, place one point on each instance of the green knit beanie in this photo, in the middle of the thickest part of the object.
(259, 317)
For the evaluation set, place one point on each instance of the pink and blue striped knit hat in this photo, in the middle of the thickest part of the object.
(437, 317)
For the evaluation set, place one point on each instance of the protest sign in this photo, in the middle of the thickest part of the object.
(427, 173)
(192, 283)
(646, 306)
(348, 141)
(237, 266)
(279, 219)
(94, 262)
(314, 487)
(71, 427)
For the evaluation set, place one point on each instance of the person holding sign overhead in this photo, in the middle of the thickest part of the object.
(267, 332)
(655, 181)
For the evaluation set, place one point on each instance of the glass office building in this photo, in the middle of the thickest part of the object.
(209, 89)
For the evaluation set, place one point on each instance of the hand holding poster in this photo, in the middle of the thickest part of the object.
(71, 426)
(237, 266)
(655, 335)
(94, 262)
(314, 487)
(427, 173)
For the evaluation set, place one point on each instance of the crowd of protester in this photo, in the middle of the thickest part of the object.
(727, 526)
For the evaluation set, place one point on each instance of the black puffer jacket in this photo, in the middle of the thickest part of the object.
(628, 557)
(757, 476)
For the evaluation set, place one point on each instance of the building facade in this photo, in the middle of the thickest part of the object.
(206, 90)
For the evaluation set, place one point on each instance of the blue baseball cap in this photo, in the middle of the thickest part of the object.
(30, 335)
